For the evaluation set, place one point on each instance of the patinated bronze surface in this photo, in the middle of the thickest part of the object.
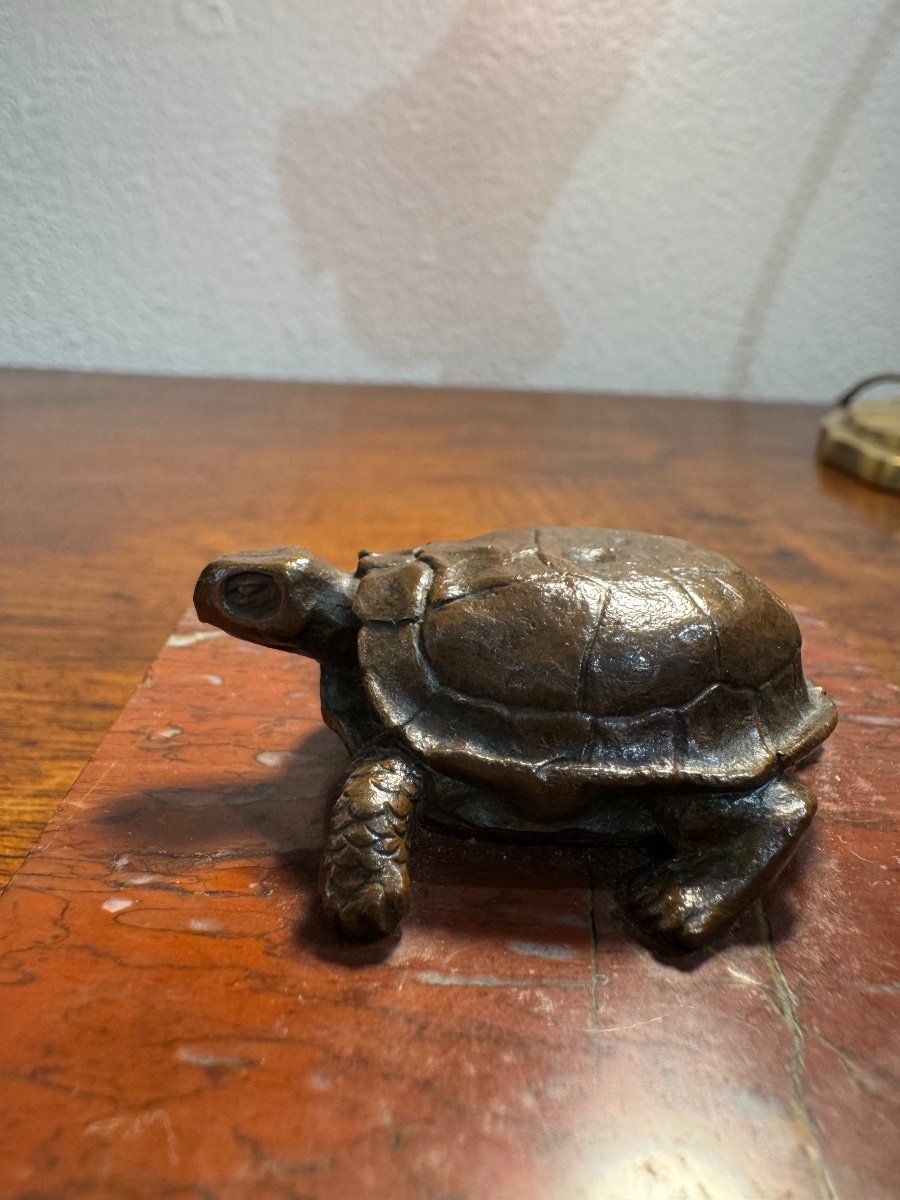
(554, 683)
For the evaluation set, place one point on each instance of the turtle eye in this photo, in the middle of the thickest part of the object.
(252, 594)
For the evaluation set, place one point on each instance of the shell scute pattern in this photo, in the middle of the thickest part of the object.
(654, 646)
(562, 658)
(520, 645)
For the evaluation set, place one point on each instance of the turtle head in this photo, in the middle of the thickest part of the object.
(288, 599)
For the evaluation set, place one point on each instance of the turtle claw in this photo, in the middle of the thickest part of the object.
(674, 906)
(370, 911)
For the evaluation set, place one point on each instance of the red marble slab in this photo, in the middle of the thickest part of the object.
(177, 1022)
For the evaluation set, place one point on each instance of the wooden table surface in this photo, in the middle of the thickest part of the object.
(115, 492)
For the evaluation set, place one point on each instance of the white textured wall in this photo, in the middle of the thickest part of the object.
(664, 195)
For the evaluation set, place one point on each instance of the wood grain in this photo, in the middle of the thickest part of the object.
(115, 490)
(178, 1022)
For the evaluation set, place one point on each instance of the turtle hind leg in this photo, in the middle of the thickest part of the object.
(727, 847)
(365, 886)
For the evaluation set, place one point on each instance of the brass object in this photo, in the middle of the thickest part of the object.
(863, 436)
(553, 684)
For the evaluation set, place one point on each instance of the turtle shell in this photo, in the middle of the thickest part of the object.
(549, 663)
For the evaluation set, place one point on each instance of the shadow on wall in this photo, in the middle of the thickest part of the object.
(428, 198)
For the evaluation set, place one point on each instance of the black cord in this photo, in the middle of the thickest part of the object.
(846, 400)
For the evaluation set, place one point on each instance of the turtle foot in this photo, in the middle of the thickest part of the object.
(727, 849)
(681, 904)
(370, 908)
(365, 877)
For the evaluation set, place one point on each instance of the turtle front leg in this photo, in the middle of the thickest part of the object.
(365, 884)
(727, 848)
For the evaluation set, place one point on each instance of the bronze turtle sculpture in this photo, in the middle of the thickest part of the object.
(555, 683)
